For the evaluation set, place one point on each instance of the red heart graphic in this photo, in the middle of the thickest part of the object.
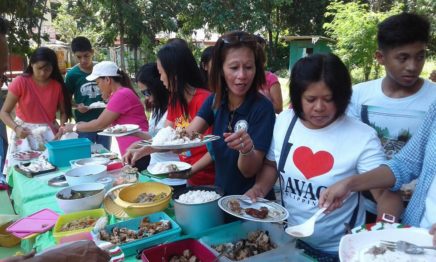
(310, 164)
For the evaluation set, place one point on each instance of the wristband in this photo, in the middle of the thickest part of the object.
(388, 218)
(75, 128)
(248, 152)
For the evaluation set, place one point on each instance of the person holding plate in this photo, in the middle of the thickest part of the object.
(124, 106)
(237, 112)
(180, 74)
(315, 144)
(416, 160)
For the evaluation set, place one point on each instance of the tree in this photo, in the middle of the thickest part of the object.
(26, 19)
(354, 27)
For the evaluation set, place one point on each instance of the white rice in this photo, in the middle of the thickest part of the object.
(198, 196)
(168, 136)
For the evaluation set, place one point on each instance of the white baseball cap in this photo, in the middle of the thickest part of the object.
(105, 68)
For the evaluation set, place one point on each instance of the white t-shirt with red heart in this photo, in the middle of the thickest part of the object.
(317, 159)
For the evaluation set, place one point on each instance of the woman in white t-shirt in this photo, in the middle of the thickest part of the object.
(322, 146)
(156, 102)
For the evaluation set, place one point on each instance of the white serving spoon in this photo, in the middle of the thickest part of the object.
(306, 229)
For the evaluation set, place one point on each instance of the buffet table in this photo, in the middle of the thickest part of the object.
(33, 194)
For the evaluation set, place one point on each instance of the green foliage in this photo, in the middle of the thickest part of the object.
(354, 27)
(25, 18)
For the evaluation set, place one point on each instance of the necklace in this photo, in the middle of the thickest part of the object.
(229, 125)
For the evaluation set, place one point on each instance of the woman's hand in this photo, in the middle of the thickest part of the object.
(22, 132)
(254, 192)
(240, 141)
(134, 153)
(67, 127)
(82, 108)
(433, 232)
(333, 197)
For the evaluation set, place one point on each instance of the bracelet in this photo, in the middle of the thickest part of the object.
(248, 152)
(15, 127)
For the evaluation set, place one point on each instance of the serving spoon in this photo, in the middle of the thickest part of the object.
(306, 229)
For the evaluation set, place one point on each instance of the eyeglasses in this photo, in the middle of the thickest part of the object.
(4, 80)
(146, 92)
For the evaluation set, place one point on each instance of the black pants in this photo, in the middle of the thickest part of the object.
(317, 254)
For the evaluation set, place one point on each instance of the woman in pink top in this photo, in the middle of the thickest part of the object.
(124, 105)
(36, 96)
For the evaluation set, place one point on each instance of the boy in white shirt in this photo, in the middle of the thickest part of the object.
(396, 104)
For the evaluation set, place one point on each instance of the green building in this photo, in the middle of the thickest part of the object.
(301, 46)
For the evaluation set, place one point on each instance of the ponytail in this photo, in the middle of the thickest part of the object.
(124, 80)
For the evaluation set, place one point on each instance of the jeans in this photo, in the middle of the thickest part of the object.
(103, 140)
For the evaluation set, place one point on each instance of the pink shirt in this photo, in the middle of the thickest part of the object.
(271, 79)
(126, 103)
(36, 104)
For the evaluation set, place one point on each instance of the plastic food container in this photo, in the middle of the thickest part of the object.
(196, 218)
(166, 251)
(131, 248)
(64, 219)
(127, 195)
(236, 231)
(60, 152)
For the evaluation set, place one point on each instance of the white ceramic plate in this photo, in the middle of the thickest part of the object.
(131, 128)
(170, 181)
(97, 105)
(206, 139)
(276, 212)
(157, 168)
(351, 245)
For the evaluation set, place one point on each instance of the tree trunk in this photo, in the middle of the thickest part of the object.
(123, 66)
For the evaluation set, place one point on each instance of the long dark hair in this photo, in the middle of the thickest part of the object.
(46, 54)
(149, 76)
(182, 70)
(236, 39)
(206, 56)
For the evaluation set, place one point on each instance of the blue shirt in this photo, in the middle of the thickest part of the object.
(258, 112)
(417, 159)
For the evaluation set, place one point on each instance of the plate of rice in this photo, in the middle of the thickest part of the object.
(172, 139)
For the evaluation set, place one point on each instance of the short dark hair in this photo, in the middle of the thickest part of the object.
(178, 41)
(235, 39)
(402, 29)
(3, 26)
(182, 70)
(81, 44)
(149, 76)
(320, 67)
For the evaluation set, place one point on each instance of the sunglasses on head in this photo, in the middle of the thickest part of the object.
(239, 38)
(146, 92)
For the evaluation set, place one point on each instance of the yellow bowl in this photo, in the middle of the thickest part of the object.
(6, 238)
(128, 194)
(136, 211)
